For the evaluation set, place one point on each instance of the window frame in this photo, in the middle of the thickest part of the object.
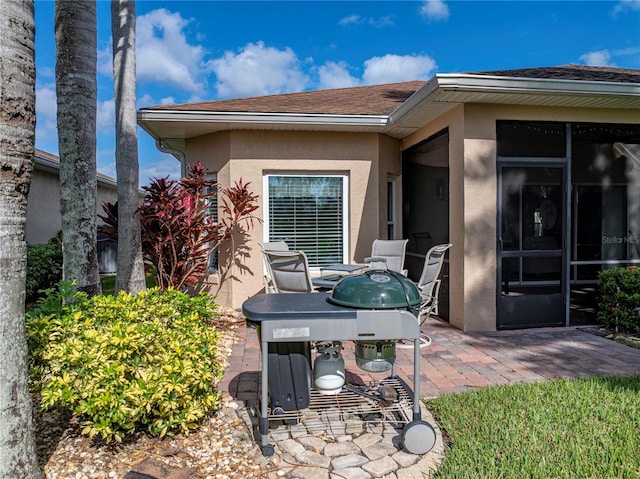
(391, 207)
(213, 260)
(345, 205)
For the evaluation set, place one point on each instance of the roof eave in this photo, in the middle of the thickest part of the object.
(53, 166)
(469, 88)
(485, 83)
(261, 118)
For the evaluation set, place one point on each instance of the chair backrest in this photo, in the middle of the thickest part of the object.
(388, 254)
(289, 271)
(431, 270)
(270, 246)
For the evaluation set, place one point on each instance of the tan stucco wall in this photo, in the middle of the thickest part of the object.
(365, 158)
(43, 205)
(390, 166)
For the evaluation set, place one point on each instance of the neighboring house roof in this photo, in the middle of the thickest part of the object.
(397, 109)
(51, 163)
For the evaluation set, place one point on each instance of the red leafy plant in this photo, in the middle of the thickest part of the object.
(178, 229)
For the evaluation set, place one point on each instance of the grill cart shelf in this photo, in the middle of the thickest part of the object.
(305, 317)
(353, 405)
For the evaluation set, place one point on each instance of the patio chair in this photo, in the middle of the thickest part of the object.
(388, 254)
(429, 282)
(289, 271)
(268, 276)
(289, 362)
(429, 287)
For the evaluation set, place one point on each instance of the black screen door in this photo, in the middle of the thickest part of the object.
(531, 245)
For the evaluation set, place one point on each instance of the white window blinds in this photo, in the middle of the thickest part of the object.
(212, 209)
(308, 212)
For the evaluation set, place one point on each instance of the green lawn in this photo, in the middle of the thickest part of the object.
(558, 429)
(109, 283)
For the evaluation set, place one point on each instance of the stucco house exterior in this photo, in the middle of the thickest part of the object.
(532, 174)
(44, 219)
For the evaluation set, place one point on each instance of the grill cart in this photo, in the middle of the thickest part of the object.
(287, 318)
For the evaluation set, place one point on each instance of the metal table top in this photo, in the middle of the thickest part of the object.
(264, 307)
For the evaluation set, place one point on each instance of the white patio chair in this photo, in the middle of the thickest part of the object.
(289, 271)
(270, 246)
(388, 254)
(429, 287)
(429, 282)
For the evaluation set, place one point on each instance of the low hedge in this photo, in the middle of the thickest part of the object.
(128, 363)
(618, 297)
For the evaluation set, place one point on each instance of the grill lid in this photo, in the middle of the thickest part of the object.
(376, 289)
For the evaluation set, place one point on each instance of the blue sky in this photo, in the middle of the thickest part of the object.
(207, 50)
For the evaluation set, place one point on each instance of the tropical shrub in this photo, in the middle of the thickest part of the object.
(618, 296)
(134, 362)
(179, 230)
(44, 266)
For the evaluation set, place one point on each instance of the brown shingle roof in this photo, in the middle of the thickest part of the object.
(364, 100)
(384, 99)
(571, 72)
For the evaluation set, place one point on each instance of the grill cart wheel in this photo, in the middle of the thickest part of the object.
(418, 437)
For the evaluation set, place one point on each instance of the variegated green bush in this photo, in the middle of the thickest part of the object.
(129, 363)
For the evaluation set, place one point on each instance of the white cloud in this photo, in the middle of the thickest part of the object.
(600, 58)
(106, 117)
(336, 75)
(258, 70)
(105, 60)
(352, 19)
(145, 101)
(396, 68)
(164, 55)
(160, 166)
(626, 6)
(435, 10)
(626, 51)
(46, 110)
(355, 19)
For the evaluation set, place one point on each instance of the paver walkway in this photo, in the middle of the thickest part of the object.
(455, 361)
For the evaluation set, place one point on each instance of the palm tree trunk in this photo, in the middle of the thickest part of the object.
(17, 135)
(76, 89)
(123, 27)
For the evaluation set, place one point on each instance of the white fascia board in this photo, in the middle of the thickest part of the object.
(262, 118)
(414, 100)
(483, 83)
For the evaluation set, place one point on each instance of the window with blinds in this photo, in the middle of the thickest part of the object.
(308, 212)
(212, 209)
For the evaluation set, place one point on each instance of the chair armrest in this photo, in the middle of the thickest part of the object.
(371, 259)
